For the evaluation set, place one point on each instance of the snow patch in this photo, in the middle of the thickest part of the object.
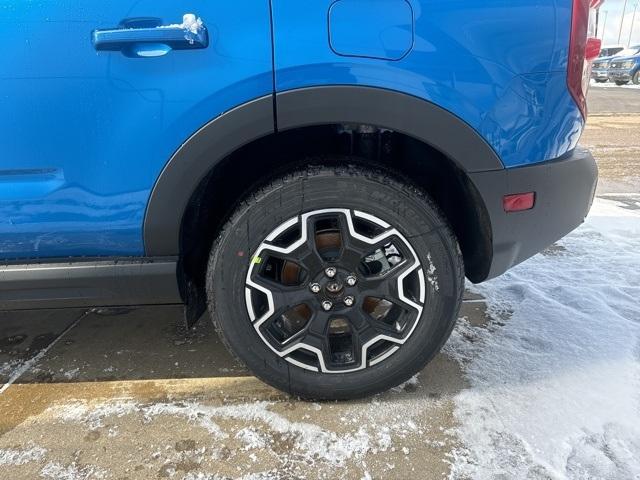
(15, 457)
(308, 440)
(629, 86)
(251, 438)
(215, 476)
(8, 367)
(56, 471)
(554, 377)
(191, 24)
(71, 374)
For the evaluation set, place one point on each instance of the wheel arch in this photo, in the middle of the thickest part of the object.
(311, 106)
(191, 163)
(443, 150)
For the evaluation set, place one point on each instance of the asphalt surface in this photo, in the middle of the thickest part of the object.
(607, 98)
(131, 394)
(614, 141)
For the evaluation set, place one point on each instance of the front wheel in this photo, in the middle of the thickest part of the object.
(620, 83)
(636, 78)
(335, 282)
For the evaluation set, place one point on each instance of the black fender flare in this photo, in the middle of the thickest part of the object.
(298, 108)
(192, 162)
(379, 107)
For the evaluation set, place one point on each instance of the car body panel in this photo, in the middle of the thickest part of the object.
(85, 134)
(91, 136)
(466, 58)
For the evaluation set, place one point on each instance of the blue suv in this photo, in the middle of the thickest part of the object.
(625, 67)
(322, 175)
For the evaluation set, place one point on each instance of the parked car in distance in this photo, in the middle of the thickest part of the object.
(625, 69)
(322, 189)
(600, 67)
(610, 51)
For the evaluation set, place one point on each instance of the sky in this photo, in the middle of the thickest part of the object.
(612, 27)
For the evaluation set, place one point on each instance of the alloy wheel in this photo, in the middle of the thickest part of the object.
(335, 290)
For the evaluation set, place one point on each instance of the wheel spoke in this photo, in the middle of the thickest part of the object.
(318, 324)
(353, 245)
(341, 262)
(315, 335)
(308, 256)
(386, 286)
(365, 332)
(368, 326)
(285, 296)
(305, 255)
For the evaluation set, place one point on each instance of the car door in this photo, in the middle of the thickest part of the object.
(89, 117)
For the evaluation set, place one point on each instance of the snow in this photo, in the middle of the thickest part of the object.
(629, 86)
(309, 440)
(20, 457)
(55, 471)
(191, 24)
(8, 367)
(71, 374)
(554, 378)
(252, 438)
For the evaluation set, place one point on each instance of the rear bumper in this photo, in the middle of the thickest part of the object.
(564, 193)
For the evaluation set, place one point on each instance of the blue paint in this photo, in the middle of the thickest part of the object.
(86, 133)
(499, 65)
(107, 123)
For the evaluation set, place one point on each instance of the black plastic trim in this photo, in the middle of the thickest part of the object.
(390, 109)
(379, 107)
(89, 283)
(191, 163)
(564, 189)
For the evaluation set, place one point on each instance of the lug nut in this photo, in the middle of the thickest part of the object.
(349, 301)
(351, 280)
(315, 287)
(330, 272)
(327, 305)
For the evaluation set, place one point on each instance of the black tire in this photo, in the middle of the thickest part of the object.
(619, 83)
(375, 192)
(636, 78)
(600, 81)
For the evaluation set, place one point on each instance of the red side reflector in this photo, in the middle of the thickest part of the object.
(519, 202)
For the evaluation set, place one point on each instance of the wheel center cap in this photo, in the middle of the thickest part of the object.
(334, 288)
